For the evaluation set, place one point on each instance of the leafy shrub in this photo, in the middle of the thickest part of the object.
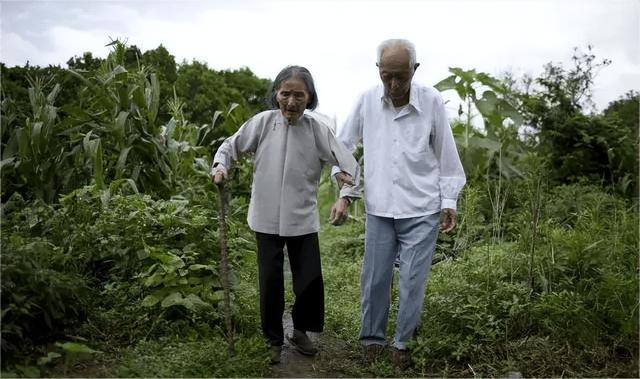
(471, 305)
(576, 291)
(135, 251)
(40, 295)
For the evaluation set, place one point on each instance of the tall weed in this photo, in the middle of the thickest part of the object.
(481, 308)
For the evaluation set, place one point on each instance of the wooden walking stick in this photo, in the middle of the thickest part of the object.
(225, 270)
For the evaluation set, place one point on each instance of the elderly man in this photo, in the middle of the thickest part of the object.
(413, 176)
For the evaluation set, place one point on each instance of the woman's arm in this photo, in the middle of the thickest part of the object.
(245, 140)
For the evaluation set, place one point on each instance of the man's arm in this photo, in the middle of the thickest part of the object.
(452, 177)
(349, 135)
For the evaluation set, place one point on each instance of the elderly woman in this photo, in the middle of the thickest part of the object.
(290, 148)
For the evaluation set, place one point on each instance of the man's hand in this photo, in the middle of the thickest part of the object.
(339, 211)
(447, 220)
(343, 178)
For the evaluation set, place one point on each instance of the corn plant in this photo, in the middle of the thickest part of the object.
(34, 159)
(117, 121)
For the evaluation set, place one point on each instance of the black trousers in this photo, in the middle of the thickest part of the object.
(308, 286)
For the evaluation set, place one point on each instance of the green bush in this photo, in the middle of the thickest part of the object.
(576, 291)
(472, 304)
(41, 294)
(135, 252)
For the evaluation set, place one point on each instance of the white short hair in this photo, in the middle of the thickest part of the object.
(406, 44)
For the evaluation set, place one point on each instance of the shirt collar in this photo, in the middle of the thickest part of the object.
(280, 119)
(414, 101)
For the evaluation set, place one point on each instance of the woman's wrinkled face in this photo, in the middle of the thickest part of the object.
(292, 97)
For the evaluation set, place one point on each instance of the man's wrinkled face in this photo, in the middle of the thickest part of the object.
(292, 97)
(396, 72)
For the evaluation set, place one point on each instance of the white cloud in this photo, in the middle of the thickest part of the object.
(93, 40)
(336, 40)
(15, 50)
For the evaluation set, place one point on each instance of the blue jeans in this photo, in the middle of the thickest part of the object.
(413, 240)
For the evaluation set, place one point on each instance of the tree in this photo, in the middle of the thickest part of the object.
(206, 91)
(624, 114)
(577, 143)
(85, 63)
(132, 57)
(201, 89)
(252, 88)
(164, 66)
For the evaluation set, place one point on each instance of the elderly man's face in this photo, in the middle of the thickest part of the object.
(292, 97)
(396, 73)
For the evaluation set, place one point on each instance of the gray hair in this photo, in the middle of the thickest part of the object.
(286, 74)
(406, 44)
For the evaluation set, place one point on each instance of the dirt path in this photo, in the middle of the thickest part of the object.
(323, 365)
(334, 356)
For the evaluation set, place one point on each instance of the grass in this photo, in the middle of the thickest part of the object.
(175, 357)
(482, 317)
(341, 249)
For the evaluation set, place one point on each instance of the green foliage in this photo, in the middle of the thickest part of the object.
(109, 227)
(342, 249)
(33, 159)
(209, 357)
(119, 109)
(209, 90)
(563, 91)
(113, 232)
(135, 252)
(472, 303)
(40, 294)
(126, 247)
(15, 91)
(495, 150)
(579, 146)
(113, 123)
(176, 280)
(595, 252)
(163, 64)
(471, 229)
(86, 63)
(72, 352)
(484, 306)
(119, 126)
(622, 156)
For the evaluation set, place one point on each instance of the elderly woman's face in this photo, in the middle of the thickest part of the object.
(292, 97)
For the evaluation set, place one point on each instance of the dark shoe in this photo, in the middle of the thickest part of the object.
(302, 343)
(372, 353)
(401, 358)
(274, 353)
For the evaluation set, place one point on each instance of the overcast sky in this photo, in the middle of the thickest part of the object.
(336, 39)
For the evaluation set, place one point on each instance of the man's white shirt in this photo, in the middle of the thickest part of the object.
(411, 163)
